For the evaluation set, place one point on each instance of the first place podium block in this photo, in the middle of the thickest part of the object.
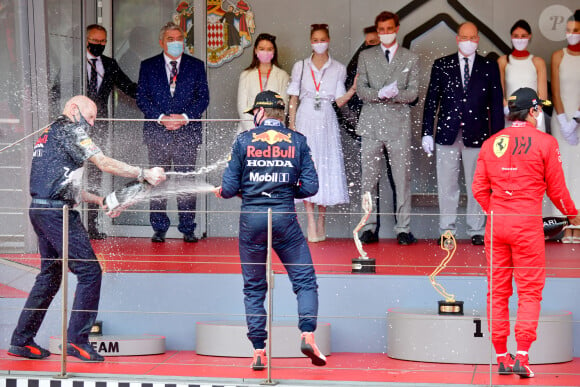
(424, 335)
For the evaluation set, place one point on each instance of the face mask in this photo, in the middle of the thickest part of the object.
(96, 49)
(467, 47)
(265, 56)
(81, 120)
(259, 117)
(320, 48)
(573, 39)
(539, 119)
(520, 44)
(175, 49)
(387, 39)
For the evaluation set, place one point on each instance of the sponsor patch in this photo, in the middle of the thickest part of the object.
(500, 145)
(272, 137)
(274, 177)
(270, 163)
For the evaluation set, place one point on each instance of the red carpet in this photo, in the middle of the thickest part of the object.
(354, 367)
(220, 255)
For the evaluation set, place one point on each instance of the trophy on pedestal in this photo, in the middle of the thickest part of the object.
(449, 306)
(363, 264)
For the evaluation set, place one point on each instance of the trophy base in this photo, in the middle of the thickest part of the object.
(363, 265)
(451, 308)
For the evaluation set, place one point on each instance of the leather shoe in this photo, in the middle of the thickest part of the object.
(369, 237)
(190, 238)
(95, 235)
(405, 238)
(477, 240)
(158, 236)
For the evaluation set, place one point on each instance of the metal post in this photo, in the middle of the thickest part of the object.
(270, 279)
(490, 317)
(64, 289)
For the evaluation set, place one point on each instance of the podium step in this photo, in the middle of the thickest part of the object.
(110, 345)
(424, 335)
(228, 338)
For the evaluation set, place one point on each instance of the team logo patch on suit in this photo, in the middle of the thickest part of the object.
(500, 145)
(272, 137)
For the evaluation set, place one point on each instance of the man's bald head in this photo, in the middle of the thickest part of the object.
(467, 29)
(80, 105)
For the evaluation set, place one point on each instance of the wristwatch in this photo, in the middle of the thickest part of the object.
(141, 176)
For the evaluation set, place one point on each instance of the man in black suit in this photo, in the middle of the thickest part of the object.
(465, 88)
(103, 73)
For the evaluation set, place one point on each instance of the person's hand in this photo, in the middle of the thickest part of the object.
(506, 111)
(563, 121)
(571, 137)
(427, 144)
(173, 121)
(576, 220)
(354, 83)
(154, 176)
(218, 192)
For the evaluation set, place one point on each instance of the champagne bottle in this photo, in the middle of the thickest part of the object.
(553, 225)
(124, 197)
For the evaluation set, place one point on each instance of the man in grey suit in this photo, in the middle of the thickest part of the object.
(388, 82)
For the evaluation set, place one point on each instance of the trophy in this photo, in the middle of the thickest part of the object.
(449, 306)
(363, 264)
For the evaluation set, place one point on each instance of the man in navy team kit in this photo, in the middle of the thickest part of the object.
(55, 180)
(269, 167)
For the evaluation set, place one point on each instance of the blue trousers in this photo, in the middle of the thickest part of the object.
(290, 245)
(182, 155)
(47, 223)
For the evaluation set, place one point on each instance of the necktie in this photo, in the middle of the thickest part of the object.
(466, 74)
(92, 91)
(387, 55)
(173, 71)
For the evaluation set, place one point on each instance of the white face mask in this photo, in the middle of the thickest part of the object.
(539, 119)
(320, 48)
(387, 39)
(573, 39)
(520, 44)
(467, 47)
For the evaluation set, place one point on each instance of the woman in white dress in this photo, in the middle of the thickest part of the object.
(522, 69)
(566, 97)
(317, 81)
(262, 74)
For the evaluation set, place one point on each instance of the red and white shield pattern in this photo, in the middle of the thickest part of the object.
(215, 36)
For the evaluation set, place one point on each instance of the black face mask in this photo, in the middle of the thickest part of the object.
(96, 49)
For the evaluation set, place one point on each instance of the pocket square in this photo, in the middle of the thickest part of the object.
(406, 70)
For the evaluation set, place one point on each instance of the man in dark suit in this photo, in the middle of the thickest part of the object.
(173, 90)
(103, 73)
(465, 88)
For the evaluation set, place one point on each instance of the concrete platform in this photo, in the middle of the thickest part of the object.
(109, 345)
(228, 338)
(423, 335)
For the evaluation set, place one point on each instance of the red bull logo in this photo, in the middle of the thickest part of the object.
(271, 152)
(272, 137)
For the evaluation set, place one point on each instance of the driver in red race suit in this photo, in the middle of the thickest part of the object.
(515, 168)
(269, 167)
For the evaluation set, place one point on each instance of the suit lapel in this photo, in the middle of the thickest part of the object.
(457, 73)
(477, 62)
(162, 77)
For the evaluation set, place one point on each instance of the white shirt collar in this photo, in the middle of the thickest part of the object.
(470, 58)
(168, 60)
(326, 65)
(392, 50)
(91, 56)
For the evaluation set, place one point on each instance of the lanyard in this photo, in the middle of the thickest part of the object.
(260, 77)
(316, 86)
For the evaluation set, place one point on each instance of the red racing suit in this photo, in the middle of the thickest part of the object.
(515, 168)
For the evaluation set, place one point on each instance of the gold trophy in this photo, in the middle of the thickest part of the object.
(363, 264)
(449, 306)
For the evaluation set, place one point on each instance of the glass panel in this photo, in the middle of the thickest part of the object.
(135, 38)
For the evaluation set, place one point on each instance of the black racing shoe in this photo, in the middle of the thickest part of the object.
(85, 352)
(369, 237)
(31, 351)
(406, 238)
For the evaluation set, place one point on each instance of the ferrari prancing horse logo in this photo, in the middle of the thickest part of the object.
(500, 145)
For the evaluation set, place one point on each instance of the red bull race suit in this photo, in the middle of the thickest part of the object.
(269, 167)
